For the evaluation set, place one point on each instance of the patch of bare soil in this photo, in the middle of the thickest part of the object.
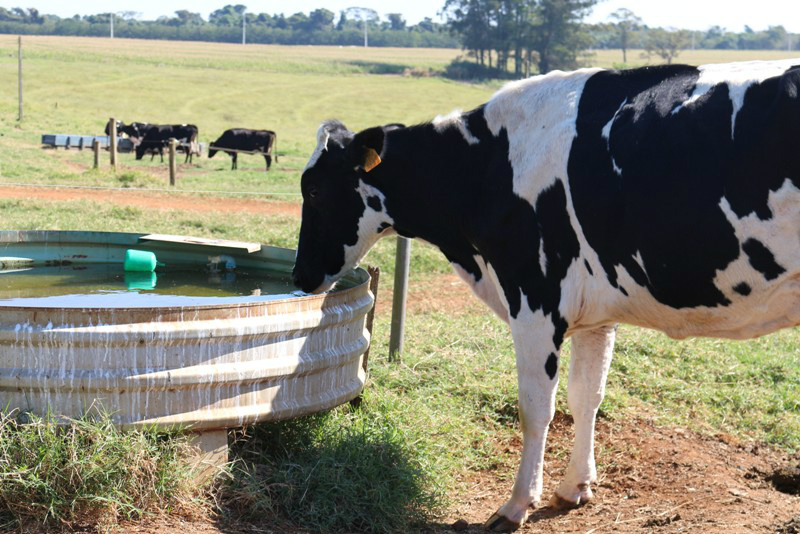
(445, 293)
(653, 479)
(146, 200)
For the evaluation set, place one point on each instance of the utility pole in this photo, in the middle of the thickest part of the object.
(366, 40)
(112, 25)
(19, 75)
(244, 27)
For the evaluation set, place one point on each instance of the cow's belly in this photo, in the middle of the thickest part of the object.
(775, 307)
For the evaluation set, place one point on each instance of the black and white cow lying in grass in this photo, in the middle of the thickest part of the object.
(665, 197)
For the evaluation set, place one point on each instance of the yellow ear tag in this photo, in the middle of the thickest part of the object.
(371, 159)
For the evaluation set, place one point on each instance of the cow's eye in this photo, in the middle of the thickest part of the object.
(312, 192)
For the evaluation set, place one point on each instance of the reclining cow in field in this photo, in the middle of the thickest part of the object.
(245, 140)
(156, 136)
(665, 197)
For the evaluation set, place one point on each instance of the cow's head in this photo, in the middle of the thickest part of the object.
(343, 214)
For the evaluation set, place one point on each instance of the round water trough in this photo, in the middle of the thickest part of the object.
(204, 366)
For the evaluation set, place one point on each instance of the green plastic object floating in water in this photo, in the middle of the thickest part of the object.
(140, 261)
(137, 280)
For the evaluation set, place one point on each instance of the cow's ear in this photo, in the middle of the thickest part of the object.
(365, 148)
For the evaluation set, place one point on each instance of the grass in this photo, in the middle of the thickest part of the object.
(447, 409)
(87, 473)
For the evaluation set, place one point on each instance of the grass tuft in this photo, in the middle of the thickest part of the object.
(87, 472)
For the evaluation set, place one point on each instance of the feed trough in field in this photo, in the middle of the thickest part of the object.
(218, 339)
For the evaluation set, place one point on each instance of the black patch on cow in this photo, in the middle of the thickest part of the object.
(374, 202)
(622, 290)
(743, 288)
(383, 226)
(551, 366)
(761, 259)
(677, 163)
(588, 267)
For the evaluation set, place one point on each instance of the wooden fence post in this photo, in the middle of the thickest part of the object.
(96, 151)
(19, 75)
(375, 276)
(173, 167)
(400, 297)
(112, 142)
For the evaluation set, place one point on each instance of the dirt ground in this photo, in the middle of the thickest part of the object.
(147, 200)
(651, 479)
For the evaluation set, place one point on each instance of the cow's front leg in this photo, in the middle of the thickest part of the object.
(537, 375)
(588, 370)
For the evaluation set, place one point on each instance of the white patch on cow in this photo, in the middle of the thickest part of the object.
(322, 145)
(485, 288)
(542, 257)
(738, 77)
(617, 168)
(638, 259)
(539, 116)
(368, 224)
(610, 123)
(455, 120)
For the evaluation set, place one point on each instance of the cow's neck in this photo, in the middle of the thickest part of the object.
(435, 180)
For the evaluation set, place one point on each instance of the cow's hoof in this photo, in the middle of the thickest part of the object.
(583, 496)
(557, 502)
(500, 523)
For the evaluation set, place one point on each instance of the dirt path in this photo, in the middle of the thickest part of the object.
(159, 201)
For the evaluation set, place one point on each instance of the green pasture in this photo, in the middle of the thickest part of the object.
(75, 85)
(447, 409)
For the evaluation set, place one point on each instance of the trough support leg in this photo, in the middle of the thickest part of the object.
(211, 453)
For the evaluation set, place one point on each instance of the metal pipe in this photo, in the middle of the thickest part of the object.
(400, 297)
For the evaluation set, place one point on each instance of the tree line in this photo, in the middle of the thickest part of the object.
(319, 27)
(541, 35)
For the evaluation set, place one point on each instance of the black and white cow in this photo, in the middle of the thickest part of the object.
(156, 136)
(665, 197)
(244, 139)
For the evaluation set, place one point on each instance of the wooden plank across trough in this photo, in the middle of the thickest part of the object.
(220, 243)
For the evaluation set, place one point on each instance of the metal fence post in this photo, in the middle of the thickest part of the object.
(112, 142)
(400, 297)
(173, 167)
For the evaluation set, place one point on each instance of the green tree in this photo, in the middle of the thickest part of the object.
(626, 22)
(557, 36)
(396, 21)
(666, 44)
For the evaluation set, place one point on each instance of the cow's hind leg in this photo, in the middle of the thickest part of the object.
(588, 370)
(269, 161)
(537, 347)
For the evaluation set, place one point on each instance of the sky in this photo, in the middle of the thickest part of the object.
(688, 14)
